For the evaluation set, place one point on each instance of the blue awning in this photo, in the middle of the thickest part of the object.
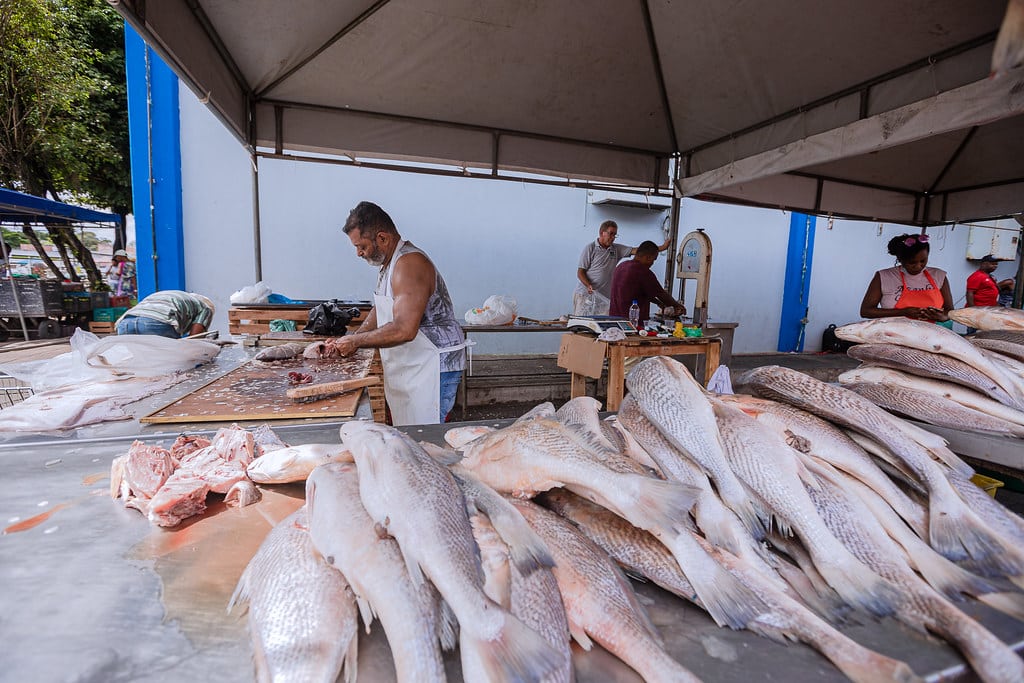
(18, 207)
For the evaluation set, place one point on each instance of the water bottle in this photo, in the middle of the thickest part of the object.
(634, 315)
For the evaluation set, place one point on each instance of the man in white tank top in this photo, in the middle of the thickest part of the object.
(412, 322)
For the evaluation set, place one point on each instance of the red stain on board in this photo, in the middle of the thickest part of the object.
(90, 479)
(32, 522)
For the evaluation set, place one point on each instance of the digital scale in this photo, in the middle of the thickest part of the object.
(598, 324)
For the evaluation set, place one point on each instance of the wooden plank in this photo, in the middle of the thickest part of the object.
(328, 388)
(258, 392)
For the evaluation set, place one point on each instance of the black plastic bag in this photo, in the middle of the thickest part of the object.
(330, 318)
(830, 342)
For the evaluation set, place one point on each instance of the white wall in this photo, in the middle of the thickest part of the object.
(500, 237)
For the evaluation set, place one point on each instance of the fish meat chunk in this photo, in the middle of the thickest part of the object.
(669, 396)
(302, 618)
(182, 495)
(419, 503)
(280, 352)
(954, 529)
(599, 601)
(372, 564)
(186, 444)
(147, 468)
(526, 458)
(918, 605)
(810, 434)
(900, 382)
(990, 318)
(773, 471)
(294, 463)
(926, 336)
(928, 364)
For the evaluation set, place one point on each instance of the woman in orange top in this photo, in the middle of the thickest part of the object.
(909, 289)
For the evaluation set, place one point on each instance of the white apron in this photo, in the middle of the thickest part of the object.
(412, 371)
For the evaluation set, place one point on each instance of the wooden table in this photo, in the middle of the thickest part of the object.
(643, 347)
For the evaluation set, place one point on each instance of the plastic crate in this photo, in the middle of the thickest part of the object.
(77, 304)
(108, 315)
(118, 301)
(989, 484)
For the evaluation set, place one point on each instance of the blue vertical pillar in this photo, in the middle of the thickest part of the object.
(797, 287)
(153, 131)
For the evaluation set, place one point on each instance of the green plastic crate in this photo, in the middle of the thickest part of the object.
(108, 315)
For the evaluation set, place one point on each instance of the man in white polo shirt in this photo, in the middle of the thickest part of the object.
(597, 263)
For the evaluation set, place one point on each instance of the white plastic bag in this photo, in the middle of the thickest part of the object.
(251, 294)
(497, 310)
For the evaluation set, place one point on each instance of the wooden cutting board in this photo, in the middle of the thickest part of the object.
(255, 392)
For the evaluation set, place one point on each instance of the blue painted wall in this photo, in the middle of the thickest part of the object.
(154, 134)
(797, 283)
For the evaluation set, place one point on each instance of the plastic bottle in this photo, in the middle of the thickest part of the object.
(634, 315)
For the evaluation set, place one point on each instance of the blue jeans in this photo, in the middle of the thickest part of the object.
(449, 388)
(131, 324)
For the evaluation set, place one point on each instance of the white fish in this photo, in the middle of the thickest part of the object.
(419, 503)
(280, 352)
(599, 601)
(810, 434)
(944, 390)
(529, 457)
(294, 463)
(302, 614)
(990, 318)
(918, 605)
(954, 529)
(670, 397)
(373, 565)
(775, 474)
(926, 336)
(546, 409)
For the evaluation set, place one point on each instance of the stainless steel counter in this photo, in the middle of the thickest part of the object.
(92, 592)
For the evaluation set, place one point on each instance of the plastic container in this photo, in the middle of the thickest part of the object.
(989, 484)
(108, 315)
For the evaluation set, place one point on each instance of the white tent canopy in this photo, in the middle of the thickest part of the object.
(862, 108)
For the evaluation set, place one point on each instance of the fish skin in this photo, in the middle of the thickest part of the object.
(583, 411)
(775, 473)
(932, 409)
(631, 447)
(928, 364)
(1001, 335)
(927, 336)
(373, 565)
(954, 530)
(458, 437)
(529, 457)
(294, 463)
(280, 352)
(675, 403)
(918, 606)
(1015, 351)
(823, 440)
(989, 318)
(302, 614)
(599, 601)
(420, 504)
(943, 390)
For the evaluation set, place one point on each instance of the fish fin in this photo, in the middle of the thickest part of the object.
(350, 663)
(517, 653)
(241, 593)
(443, 456)
(951, 580)
(1007, 603)
(365, 611)
(579, 634)
(666, 504)
(413, 567)
(950, 460)
(447, 626)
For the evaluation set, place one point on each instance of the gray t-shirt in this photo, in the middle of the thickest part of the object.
(600, 264)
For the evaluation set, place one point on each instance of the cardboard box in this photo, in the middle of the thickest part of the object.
(581, 354)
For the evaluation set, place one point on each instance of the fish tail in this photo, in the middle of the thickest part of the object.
(861, 587)
(351, 660)
(518, 653)
(754, 519)
(729, 602)
(663, 504)
(958, 534)
(950, 579)
(1007, 603)
(866, 666)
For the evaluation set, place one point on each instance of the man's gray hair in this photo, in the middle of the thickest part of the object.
(369, 219)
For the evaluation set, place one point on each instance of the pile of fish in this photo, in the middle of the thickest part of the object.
(929, 373)
(170, 485)
(765, 512)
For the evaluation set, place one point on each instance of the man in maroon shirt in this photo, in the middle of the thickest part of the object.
(634, 280)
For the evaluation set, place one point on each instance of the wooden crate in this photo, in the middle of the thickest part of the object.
(255, 320)
(102, 327)
(376, 392)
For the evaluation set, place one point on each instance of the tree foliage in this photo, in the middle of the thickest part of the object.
(63, 108)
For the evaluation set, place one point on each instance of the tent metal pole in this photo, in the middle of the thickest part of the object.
(256, 246)
(14, 288)
(670, 266)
